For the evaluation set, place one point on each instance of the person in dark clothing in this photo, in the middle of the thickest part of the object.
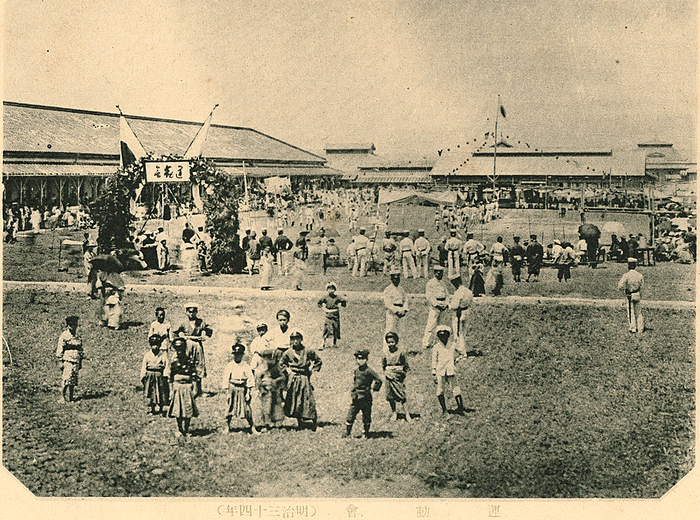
(365, 381)
(517, 254)
(266, 241)
(535, 254)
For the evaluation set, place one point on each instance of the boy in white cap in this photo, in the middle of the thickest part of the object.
(631, 283)
(445, 355)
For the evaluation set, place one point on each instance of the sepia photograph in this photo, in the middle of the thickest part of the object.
(349, 259)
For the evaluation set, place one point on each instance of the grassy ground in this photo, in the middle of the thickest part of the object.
(665, 281)
(555, 413)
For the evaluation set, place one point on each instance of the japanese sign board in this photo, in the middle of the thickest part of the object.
(167, 171)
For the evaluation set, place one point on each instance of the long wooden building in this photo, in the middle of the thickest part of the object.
(60, 156)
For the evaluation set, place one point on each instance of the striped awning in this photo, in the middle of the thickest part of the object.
(383, 178)
(57, 170)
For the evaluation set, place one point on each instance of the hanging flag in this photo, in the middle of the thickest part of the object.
(503, 111)
(197, 144)
(195, 150)
(130, 147)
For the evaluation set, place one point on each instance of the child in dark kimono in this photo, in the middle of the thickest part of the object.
(395, 367)
(331, 303)
(476, 285)
(299, 362)
(156, 390)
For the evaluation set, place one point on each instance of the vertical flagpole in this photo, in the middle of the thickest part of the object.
(245, 186)
(495, 143)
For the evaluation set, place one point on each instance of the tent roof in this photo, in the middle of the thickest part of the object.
(412, 196)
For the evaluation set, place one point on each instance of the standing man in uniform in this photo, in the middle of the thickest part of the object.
(389, 248)
(284, 247)
(395, 302)
(631, 283)
(534, 253)
(459, 304)
(407, 252)
(453, 246)
(266, 241)
(423, 249)
(436, 294)
(361, 253)
(472, 249)
(517, 253)
(324, 249)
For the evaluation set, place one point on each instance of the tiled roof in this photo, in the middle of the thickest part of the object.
(35, 128)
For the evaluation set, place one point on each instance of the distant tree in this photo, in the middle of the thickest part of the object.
(111, 209)
(220, 194)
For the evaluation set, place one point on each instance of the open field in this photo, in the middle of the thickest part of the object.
(665, 281)
(564, 403)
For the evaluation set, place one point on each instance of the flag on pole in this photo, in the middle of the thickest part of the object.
(195, 150)
(130, 147)
(503, 111)
(197, 144)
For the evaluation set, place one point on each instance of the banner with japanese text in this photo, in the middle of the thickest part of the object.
(167, 171)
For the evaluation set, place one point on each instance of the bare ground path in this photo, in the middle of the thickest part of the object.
(241, 293)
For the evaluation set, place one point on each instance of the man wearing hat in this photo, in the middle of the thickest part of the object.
(407, 251)
(517, 254)
(436, 294)
(556, 250)
(453, 247)
(459, 304)
(195, 330)
(534, 253)
(252, 254)
(324, 249)
(389, 248)
(631, 283)
(395, 302)
(90, 247)
(266, 241)
(445, 355)
(284, 247)
(472, 249)
(361, 253)
(423, 249)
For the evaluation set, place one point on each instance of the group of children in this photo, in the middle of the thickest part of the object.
(276, 374)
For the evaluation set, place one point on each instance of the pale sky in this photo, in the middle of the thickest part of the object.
(410, 76)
